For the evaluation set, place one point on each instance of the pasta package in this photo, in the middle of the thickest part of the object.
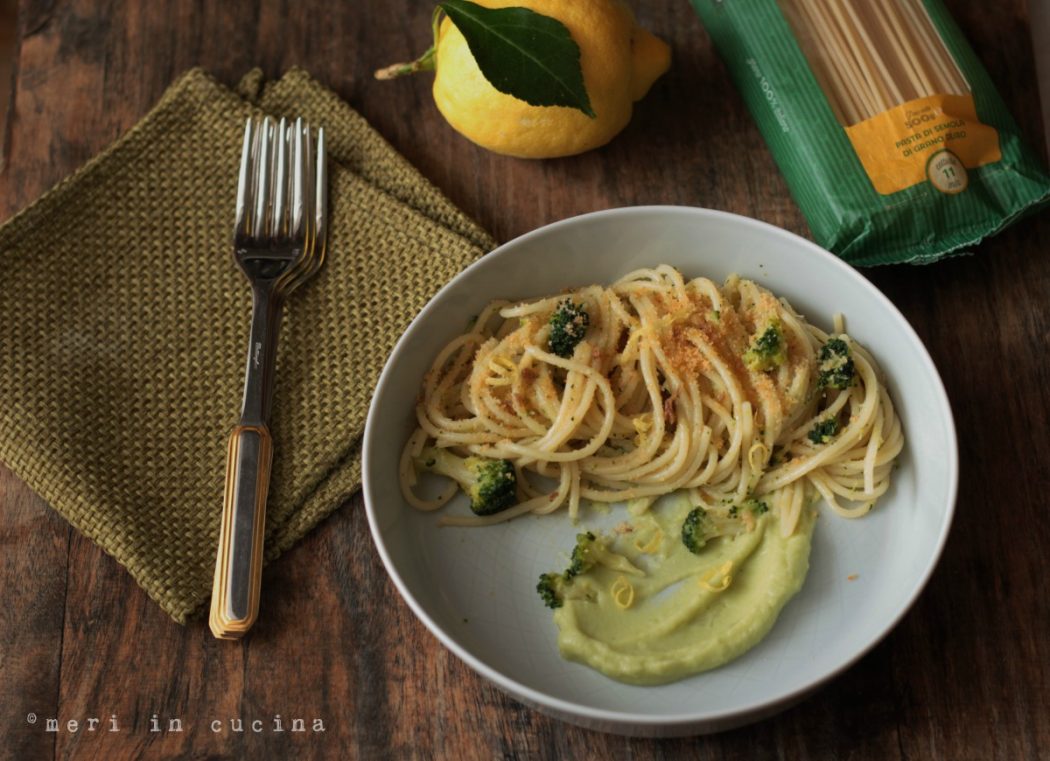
(893, 139)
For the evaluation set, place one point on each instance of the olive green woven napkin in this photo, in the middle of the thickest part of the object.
(125, 324)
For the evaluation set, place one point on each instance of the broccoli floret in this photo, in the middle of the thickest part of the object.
(581, 560)
(768, 350)
(490, 484)
(590, 550)
(701, 526)
(582, 555)
(757, 507)
(569, 325)
(824, 431)
(753, 506)
(836, 367)
(697, 529)
(551, 589)
(496, 485)
(552, 586)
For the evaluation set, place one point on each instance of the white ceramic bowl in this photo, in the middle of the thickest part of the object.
(475, 588)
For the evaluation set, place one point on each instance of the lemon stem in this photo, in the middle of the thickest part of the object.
(425, 62)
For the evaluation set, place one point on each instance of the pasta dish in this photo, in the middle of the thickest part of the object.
(655, 384)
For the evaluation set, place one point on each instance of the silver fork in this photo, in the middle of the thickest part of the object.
(279, 242)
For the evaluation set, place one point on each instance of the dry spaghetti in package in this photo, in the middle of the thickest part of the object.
(890, 133)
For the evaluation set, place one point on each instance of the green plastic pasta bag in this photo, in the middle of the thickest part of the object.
(894, 141)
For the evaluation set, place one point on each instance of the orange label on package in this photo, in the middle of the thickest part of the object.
(935, 138)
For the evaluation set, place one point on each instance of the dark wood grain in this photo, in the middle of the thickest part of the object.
(966, 674)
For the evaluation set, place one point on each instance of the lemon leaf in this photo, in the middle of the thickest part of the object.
(522, 53)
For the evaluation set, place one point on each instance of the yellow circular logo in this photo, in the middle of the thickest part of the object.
(946, 173)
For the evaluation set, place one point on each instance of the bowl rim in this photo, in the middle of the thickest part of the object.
(594, 716)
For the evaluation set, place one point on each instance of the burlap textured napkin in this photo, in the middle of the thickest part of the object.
(125, 324)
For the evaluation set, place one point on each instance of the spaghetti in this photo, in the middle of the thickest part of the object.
(873, 55)
(665, 392)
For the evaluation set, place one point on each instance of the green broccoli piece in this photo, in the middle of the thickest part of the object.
(583, 555)
(757, 507)
(836, 368)
(824, 431)
(490, 484)
(701, 526)
(754, 506)
(590, 550)
(697, 529)
(552, 589)
(767, 351)
(569, 324)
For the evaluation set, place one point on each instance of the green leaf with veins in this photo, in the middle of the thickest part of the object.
(522, 53)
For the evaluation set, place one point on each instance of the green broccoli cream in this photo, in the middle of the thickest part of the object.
(652, 605)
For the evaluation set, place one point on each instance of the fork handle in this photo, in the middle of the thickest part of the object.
(238, 564)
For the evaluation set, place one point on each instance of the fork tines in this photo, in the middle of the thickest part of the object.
(282, 192)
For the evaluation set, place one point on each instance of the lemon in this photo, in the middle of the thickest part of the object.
(619, 59)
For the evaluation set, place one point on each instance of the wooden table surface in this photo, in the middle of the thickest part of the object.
(966, 673)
